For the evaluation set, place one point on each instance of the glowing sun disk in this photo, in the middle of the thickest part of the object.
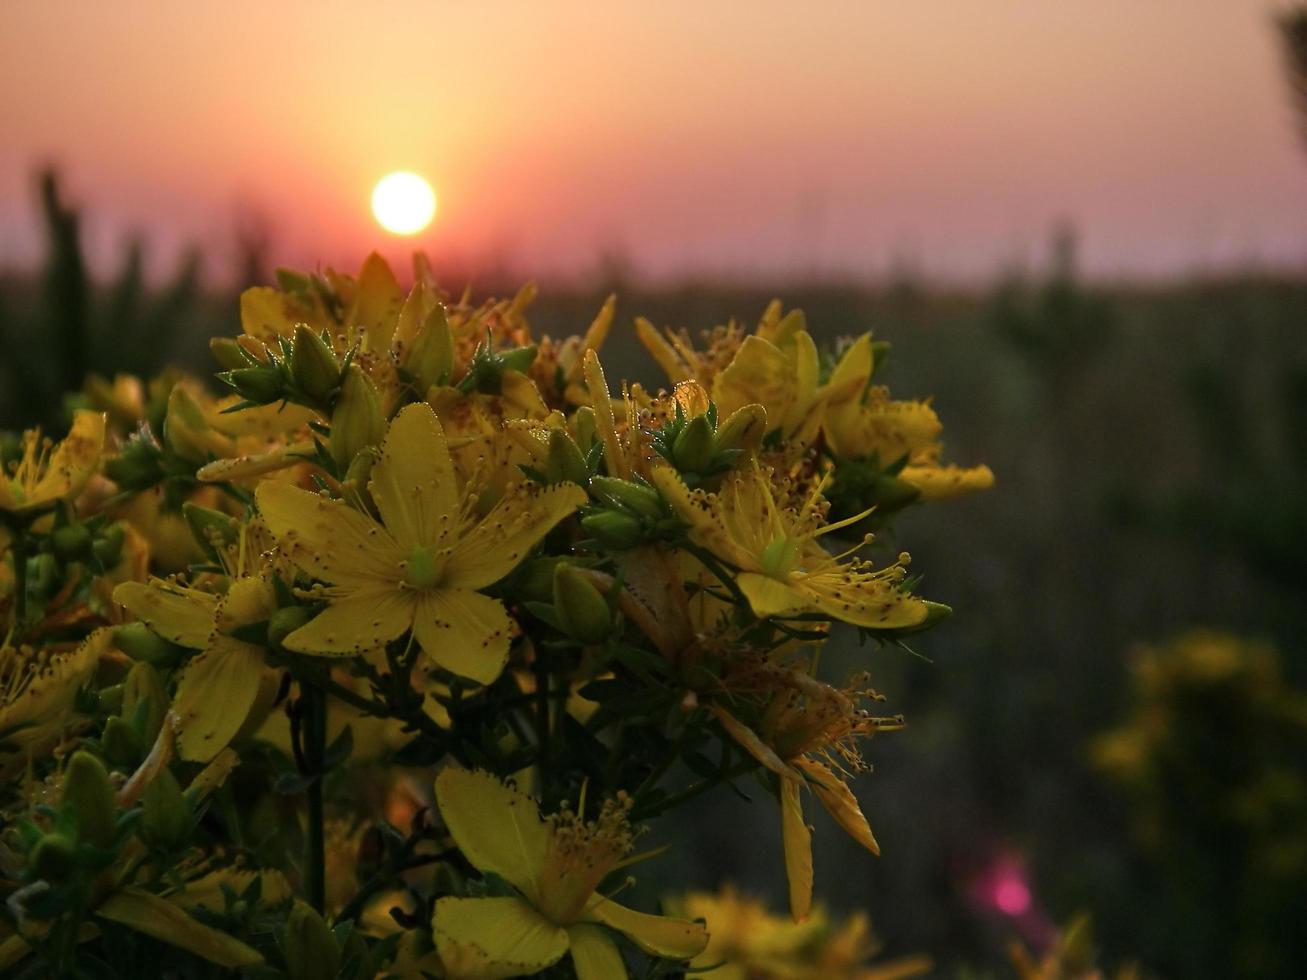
(403, 203)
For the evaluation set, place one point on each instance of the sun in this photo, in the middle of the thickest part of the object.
(403, 203)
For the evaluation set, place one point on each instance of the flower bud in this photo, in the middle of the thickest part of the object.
(71, 542)
(640, 498)
(42, 574)
(357, 477)
(52, 857)
(89, 795)
(145, 704)
(614, 531)
(166, 817)
(137, 466)
(186, 431)
(431, 358)
(311, 951)
(141, 643)
(356, 421)
(284, 622)
(108, 544)
(262, 385)
(518, 359)
(212, 529)
(313, 365)
(228, 353)
(565, 462)
(743, 428)
(582, 609)
(693, 450)
(122, 746)
(535, 580)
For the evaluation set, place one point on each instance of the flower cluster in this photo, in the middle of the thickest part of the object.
(384, 661)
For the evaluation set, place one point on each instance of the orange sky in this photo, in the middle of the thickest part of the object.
(769, 138)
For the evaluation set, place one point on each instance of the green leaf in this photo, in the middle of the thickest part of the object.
(160, 919)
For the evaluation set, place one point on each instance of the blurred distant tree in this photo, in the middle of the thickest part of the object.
(1292, 25)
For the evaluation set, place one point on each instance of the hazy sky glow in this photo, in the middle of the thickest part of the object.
(774, 138)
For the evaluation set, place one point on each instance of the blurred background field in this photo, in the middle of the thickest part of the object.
(1076, 741)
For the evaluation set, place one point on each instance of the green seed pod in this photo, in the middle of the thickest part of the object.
(284, 622)
(614, 531)
(71, 542)
(262, 385)
(145, 703)
(228, 353)
(165, 815)
(311, 952)
(313, 365)
(641, 499)
(122, 744)
(52, 857)
(141, 643)
(89, 794)
(42, 574)
(108, 544)
(356, 421)
(581, 608)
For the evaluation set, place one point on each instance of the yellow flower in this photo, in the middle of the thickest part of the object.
(421, 567)
(47, 472)
(218, 689)
(555, 864)
(784, 571)
(37, 692)
(806, 732)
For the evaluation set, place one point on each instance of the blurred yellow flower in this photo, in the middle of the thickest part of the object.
(421, 566)
(49, 472)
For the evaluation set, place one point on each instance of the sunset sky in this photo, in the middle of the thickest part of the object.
(711, 138)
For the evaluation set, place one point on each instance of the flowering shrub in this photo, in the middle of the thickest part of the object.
(382, 663)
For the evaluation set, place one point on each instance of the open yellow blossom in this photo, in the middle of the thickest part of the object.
(556, 865)
(219, 688)
(37, 693)
(46, 472)
(806, 732)
(421, 567)
(784, 571)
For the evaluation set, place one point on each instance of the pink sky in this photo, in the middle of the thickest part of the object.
(760, 138)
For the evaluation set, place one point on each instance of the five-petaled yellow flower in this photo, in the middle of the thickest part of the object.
(783, 570)
(555, 864)
(421, 566)
(46, 472)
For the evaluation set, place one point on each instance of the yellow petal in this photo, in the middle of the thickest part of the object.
(356, 623)
(667, 356)
(377, 302)
(74, 459)
(250, 599)
(464, 632)
(214, 694)
(942, 482)
(601, 401)
(594, 955)
(413, 483)
(160, 919)
(863, 599)
(206, 890)
(179, 615)
(771, 597)
(499, 542)
(748, 740)
(328, 538)
(839, 802)
(495, 824)
(657, 935)
(759, 372)
(797, 839)
(267, 313)
(853, 372)
(492, 938)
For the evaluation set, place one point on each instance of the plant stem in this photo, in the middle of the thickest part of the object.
(18, 548)
(315, 740)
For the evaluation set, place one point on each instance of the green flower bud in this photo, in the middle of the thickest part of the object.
(311, 952)
(145, 703)
(88, 793)
(582, 609)
(743, 429)
(284, 622)
(42, 574)
(565, 462)
(356, 421)
(431, 358)
(71, 542)
(108, 544)
(535, 581)
(614, 531)
(228, 353)
(518, 359)
(891, 493)
(212, 529)
(141, 643)
(358, 475)
(262, 385)
(694, 447)
(638, 497)
(313, 365)
(137, 467)
(583, 424)
(122, 745)
(166, 817)
(52, 857)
